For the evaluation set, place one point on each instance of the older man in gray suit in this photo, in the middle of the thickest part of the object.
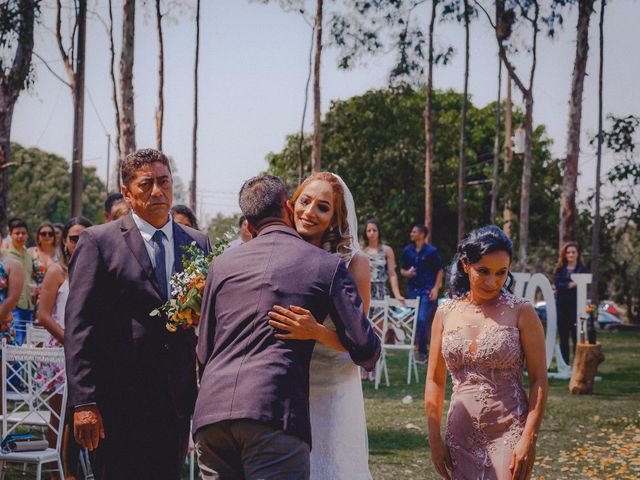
(132, 384)
(252, 413)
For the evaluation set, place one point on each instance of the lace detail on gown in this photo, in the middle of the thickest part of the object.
(482, 350)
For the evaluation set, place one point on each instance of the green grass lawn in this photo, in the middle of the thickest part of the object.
(582, 437)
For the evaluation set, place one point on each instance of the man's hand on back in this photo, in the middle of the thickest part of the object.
(87, 426)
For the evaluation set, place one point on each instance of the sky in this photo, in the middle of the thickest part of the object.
(253, 69)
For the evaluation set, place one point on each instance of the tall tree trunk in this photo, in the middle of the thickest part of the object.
(570, 174)
(527, 92)
(7, 103)
(317, 133)
(193, 191)
(11, 84)
(428, 132)
(525, 186)
(304, 109)
(114, 94)
(127, 117)
(507, 212)
(595, 234)
(78, 112)
(160, 108)
(496, 151)
(463, 128)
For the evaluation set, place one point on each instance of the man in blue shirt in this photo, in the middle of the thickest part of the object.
(422, 265)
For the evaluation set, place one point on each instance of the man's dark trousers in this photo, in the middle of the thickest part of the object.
(265, 453)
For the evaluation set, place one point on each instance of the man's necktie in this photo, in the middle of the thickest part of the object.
(160, 262)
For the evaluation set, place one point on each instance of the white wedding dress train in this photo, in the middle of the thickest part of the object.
(340, 449)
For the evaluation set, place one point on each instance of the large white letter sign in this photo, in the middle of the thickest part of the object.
(527, 286)
(540, 281)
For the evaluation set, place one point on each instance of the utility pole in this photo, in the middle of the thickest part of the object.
(78, 114)
(108, 160)
(194, 144)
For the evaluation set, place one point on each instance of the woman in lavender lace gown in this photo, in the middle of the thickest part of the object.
(482, 335)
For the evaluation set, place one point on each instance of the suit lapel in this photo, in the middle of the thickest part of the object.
(134, 240)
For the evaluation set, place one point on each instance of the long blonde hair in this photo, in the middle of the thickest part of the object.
(337, 238)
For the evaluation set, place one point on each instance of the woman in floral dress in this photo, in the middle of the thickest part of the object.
(45, 253)
(483, 334)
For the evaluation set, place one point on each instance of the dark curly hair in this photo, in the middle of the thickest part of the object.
(134, 161)
(471, 249)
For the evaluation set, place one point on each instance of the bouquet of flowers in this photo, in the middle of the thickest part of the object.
(182, 310)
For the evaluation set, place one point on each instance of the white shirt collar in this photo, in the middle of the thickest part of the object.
(147, 230)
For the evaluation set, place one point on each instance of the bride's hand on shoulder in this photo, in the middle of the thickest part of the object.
(441, 458)
(298, 323)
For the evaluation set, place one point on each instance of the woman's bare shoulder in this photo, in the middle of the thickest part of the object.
(387, 249)
(359, 262)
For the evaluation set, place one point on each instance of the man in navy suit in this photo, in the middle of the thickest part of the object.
(252, 414)
(132, 384)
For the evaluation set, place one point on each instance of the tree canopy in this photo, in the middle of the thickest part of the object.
(40, 184)
(375, 141)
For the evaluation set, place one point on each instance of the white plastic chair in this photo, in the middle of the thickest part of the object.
(34, 405)
(377, 315)
(401, 316)
(37, 336)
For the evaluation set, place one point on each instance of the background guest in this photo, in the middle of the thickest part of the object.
(382, 262)
(44, 254)
(53, 300)
(23, 313)
(184, 216)
(119, 209)
(108, 204)
(422, 266)
(58, 227)
(245, 234)
(569, 261)
(11, 281)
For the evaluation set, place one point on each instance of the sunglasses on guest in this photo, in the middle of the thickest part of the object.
(46, 233)
(74, 238)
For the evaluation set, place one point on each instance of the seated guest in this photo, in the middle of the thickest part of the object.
(184, 216)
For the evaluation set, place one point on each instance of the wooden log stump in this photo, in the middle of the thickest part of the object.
(585, 366)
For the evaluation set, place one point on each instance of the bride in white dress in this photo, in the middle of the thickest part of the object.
(324, 214)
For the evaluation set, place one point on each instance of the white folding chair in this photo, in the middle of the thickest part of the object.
(401, 317)
(377, 319)
(37, 336)
(377, 314)
(34, 405)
